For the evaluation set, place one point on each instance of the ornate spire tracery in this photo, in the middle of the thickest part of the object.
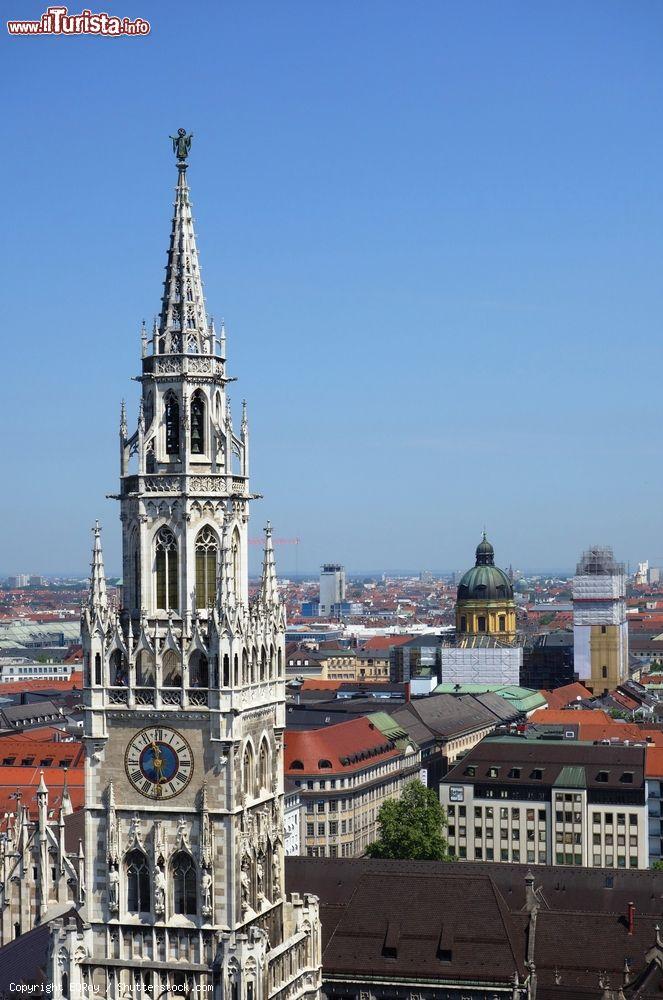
(98, 598)
(183, 326)
(269, 594)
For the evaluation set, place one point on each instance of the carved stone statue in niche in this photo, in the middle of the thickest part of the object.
(276, 876)
(113, 889)
(206, 892)
(159, 890)
(260, 878)
(245, 881)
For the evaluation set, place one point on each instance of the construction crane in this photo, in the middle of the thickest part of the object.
(281, 541)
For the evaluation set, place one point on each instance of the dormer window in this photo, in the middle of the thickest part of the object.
(537, 774)
(493, 772)
(602, 776)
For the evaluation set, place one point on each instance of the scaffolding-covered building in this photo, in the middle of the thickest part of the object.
(600, 629)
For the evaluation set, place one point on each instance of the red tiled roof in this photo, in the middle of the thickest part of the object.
(563, 696)
(654, 762)
(26, 781)
(386, 641)
(619, 731)
(313, 684)
(559, 717)
(624, 700)
(22, 748)
(347, 746)
(44, 684)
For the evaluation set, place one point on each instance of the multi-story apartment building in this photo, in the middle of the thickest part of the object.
(345, 772)
(544, 802)
(373, 664)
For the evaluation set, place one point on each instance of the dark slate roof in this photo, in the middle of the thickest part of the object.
(23, 961)
(502, 709)
(553, 757)
(581, 930)
(74, 831)
(424, 925)
(445, 715)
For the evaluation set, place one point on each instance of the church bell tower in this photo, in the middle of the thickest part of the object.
(184, 697)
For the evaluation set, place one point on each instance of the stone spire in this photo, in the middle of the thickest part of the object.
(183, 326)
(269, 594)
(98, 598)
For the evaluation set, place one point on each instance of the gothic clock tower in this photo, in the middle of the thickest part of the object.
(184, 694)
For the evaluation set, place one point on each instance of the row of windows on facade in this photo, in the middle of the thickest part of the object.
(561, 857)
(200, 672)
(347, 851)
(626, 777)
(332, 829)
(481, 623)
(561, 816)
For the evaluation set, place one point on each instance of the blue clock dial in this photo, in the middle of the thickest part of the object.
(159, 762)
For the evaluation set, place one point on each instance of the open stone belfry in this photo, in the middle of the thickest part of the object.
(184, 700)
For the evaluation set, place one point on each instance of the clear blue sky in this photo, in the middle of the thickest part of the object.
(435, 231)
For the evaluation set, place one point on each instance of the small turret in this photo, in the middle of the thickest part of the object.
(98, 598)
(269, 594)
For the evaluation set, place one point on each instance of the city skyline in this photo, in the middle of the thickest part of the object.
(440, 299)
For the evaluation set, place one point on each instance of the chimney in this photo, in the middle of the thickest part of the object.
(407, 693)
(631, 917)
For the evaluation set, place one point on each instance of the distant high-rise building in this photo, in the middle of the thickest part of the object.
(332, 587)
(600, 629)
(19, 581)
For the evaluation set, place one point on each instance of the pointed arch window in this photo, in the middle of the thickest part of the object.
(138, 882)
(248, 771)
(145, 669)
(264, 769)
(172, 418)
(207, 551)
(198, 670)
(198, 423)
(167, 570)
(185, 898)
(171, 669)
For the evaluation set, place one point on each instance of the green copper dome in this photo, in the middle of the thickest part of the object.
(485, 581)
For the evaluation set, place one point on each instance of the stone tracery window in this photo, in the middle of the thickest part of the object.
(167, 570)
(138, 882)
(185, 899)
(207, 550)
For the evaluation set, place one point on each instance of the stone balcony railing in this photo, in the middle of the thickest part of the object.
(167, 697)
(162, 484)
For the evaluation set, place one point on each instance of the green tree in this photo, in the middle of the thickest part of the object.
(412, 827)
(657, 866)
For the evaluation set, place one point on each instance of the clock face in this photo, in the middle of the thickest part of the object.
(159, 762)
